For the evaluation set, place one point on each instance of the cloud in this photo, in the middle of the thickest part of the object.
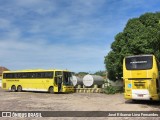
(25, 55)
(4, 23)
(41, 7)
(74, 20)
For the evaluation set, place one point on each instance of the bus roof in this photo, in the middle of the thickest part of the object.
(139, 55)
(36, 70)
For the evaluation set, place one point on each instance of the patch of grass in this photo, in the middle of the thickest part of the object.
(112, 89)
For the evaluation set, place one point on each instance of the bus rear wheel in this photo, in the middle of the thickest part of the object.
(19, 88)
(50, 90)
(13, 88)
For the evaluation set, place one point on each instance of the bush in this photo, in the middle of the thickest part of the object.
(112, 90)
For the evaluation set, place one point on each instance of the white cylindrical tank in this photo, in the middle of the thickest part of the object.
(89, 80)
(77, 80)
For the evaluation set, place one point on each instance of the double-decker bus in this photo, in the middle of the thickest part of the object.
(141, 77)
(38, 80)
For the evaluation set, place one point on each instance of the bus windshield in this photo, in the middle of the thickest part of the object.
(139, 62)
(67, 78)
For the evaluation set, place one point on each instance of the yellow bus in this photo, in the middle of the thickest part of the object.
(141, 77)
(38, 80)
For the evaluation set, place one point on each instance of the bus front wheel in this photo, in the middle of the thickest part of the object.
(50, 90)
(19, 88)
(13, 88)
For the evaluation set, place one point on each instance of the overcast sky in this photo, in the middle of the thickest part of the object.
(63, 34)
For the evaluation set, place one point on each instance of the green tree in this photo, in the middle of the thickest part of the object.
(81, 74)
(140, 36)
(101, 73)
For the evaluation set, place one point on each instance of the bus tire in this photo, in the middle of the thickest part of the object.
(50, 90)
(13, 88)
(19, 88)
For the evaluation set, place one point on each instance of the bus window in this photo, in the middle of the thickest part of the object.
(139, 63)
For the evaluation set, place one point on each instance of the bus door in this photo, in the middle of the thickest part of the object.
(58, 81)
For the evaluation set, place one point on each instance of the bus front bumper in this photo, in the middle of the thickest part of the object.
(137, 96)
(142, 94)
(68, 89)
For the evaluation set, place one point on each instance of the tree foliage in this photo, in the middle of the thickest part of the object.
(81, 74)
(140, 36)
(101, 73)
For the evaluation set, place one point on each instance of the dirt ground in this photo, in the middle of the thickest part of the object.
(38, 101)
